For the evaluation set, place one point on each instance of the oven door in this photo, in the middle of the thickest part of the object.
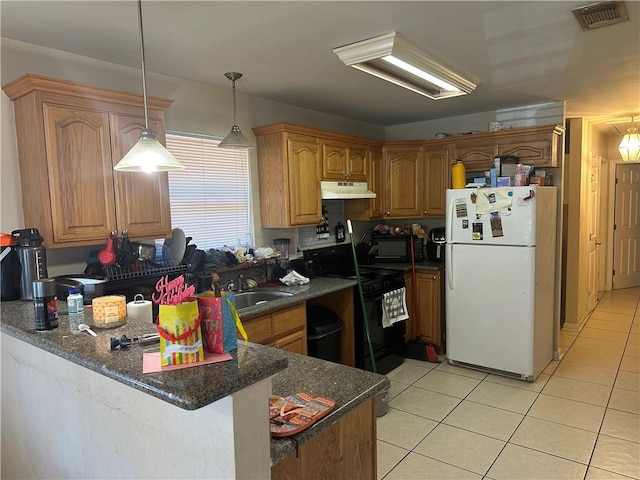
(387, 343)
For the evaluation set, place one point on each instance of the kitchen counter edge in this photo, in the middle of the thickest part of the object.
(349, 387)
(188, 388)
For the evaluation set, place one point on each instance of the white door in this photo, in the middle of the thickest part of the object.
(626, 234)
(490, 306)
(593, 225)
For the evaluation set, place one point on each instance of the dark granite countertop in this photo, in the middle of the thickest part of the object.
(192, 388)
(427, 265)
(349, 387)
(188, 388)
(315, 288)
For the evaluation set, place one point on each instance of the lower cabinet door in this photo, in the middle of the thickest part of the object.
(296, 343)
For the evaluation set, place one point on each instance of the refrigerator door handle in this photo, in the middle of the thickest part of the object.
(449, 265)
(450, 215)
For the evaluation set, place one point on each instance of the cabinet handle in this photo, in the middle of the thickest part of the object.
(387, 213)
(424, 213)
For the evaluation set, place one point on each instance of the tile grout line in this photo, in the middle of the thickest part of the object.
(526, 414)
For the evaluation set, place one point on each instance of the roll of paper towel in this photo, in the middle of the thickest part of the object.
(139, 310)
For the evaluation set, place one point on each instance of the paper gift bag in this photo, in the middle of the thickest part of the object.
(219, 322)
(179, 329)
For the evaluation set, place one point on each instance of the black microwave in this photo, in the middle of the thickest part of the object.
(396, 248)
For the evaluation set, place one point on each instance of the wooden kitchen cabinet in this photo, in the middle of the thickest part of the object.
(430, 297)
(290, 167)
(538, 146)
(285, 329)
(345, 450)
(410, 177)
(373, 208)
(410, 325)
(70, 136)
(294, 343)
(289, 178)
(437, 161)
(476, 153)
(403, 173)
(149, 192)
(430, 303)
(410, 180)
(341, 161)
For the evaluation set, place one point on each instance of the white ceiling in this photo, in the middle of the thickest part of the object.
(518, 52)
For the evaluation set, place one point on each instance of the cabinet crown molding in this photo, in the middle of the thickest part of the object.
(31, 82)
(315, 132)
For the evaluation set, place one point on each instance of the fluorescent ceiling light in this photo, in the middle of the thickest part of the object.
(397, 60)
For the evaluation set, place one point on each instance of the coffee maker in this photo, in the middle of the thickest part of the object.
(33, 259)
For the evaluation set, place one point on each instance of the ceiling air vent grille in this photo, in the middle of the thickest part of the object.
(601, 14)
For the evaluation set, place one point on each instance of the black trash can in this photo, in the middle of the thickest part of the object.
(324, 333)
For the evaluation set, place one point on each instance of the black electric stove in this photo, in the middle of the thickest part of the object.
(387, 343)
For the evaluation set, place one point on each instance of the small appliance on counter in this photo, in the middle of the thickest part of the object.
(436, 242)
(396, 248)
(281, 246)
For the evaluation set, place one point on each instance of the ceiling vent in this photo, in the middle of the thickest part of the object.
(601, 14)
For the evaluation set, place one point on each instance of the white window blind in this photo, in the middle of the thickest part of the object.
(210, 199)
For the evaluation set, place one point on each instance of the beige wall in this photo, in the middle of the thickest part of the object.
(200, 108)
(197, 108)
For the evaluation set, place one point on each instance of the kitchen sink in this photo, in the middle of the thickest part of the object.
(248, 299)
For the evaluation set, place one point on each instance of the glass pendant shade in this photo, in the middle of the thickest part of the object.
(148, 155)
(630, 146)
(235, 139)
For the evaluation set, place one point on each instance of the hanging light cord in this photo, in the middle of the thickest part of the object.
(144, 76)
(233, 86)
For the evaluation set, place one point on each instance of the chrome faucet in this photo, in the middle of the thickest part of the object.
(240, 284)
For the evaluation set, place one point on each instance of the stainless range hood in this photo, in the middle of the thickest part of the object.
(345, 190)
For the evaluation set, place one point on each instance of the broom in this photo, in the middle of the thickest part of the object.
(365, 318)
(418, 349)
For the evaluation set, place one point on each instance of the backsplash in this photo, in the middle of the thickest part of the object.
(335, 213)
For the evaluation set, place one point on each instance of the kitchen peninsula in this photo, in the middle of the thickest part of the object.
(62, 420)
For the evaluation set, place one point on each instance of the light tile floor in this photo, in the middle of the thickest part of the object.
(580, 419)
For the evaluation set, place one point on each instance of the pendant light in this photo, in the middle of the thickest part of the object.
(148, 155)
(235, 139)
(629, 147)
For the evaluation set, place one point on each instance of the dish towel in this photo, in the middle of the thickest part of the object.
(394, 307)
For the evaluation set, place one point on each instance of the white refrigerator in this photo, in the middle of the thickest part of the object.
(500, 278)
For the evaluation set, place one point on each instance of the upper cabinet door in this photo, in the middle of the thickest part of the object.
(356, 163)
(304, 180)
(334, 161)
(403, 176)
(79, 172)
(376, 183)
(142, 199)
(477, 154)
(436, 166)
(341, 162)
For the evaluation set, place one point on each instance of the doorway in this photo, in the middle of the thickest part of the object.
(626, 233)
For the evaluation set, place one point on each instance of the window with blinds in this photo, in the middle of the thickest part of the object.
(211, 198)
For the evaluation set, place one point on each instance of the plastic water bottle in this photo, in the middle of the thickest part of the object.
(75, 302)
